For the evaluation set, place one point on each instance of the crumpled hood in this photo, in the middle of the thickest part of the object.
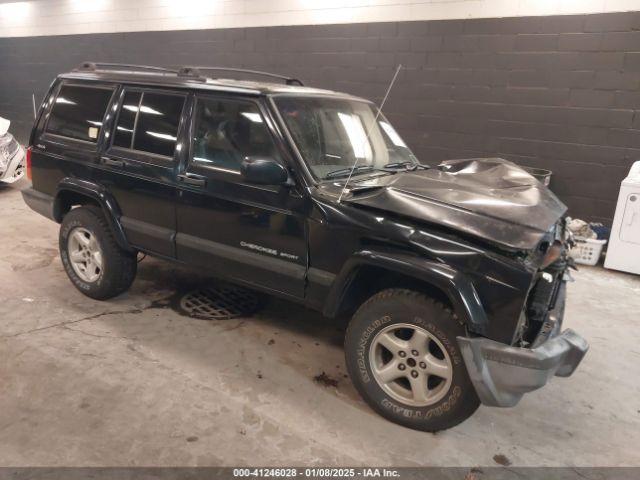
(492, 199)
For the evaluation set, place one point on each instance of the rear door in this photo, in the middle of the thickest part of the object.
(246, 232)
(139, 165)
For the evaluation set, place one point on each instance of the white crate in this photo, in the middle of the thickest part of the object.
(587, 250)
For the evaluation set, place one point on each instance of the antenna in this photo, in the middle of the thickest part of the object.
(33, 99)
(375, 119)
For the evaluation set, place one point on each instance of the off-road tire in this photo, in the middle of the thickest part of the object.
(119, 266)
(399, 306)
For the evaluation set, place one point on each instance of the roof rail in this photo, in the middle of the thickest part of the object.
(196, 72)
(96, 66)
(188, 72)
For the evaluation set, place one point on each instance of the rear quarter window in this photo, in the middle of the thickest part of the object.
(78, 111)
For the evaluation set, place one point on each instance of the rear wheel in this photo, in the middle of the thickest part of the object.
(94, 262)
(403, 357)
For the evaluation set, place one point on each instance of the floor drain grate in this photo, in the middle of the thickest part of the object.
(219, 302)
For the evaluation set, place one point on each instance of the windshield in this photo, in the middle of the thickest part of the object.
(333, 135)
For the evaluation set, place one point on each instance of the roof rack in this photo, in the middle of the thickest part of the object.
(196, 72)
(97, 66)
(187, 72)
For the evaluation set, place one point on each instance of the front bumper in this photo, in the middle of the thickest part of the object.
(502, 374)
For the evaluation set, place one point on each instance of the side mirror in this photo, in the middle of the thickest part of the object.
(263, 171)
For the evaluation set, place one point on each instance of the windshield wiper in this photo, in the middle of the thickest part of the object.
(409, 165)
(361, 169)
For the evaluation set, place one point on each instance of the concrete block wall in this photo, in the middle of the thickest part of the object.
(63, 17)
(557, 92)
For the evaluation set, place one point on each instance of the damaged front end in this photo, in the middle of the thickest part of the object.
(12, 155)
(501, 235)
(502, 373)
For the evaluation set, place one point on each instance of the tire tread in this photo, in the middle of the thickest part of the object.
(469, 401)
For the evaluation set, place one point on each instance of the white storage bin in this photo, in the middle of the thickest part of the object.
(587, 250)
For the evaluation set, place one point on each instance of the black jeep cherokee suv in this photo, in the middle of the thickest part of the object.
(454, 275)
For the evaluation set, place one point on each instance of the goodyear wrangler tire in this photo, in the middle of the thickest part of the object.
(94, 262)
(403, 358)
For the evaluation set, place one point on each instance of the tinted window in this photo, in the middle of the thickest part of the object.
(127, 120)
(157, 124)
(227, 131)
(78, 111)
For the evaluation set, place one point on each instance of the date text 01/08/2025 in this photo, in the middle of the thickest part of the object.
(315, 472)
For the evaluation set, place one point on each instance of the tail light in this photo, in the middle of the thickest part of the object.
(29, 163)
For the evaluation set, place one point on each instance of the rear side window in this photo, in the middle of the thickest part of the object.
(228, 131)
(148, 122)
(78, 112)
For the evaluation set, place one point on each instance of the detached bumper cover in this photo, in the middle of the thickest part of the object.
(502, 374)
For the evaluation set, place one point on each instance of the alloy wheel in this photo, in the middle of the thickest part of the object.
(85, 254)
(410, 364)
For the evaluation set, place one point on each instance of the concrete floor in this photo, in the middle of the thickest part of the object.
(126, 382)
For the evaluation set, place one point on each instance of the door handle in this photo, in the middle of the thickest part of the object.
(192, 179)
(112, 163)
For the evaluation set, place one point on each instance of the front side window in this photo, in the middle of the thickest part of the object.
(228, 131)
(334, 134)
(78, 112)
(148, 121)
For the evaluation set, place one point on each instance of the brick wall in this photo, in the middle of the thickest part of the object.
(27, 18)
(557, 92)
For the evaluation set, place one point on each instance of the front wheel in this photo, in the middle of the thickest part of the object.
(403, 358)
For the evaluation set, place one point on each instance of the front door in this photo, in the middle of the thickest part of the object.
(254, 234)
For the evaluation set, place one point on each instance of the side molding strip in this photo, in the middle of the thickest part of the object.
(320, 277)
(145, 228)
